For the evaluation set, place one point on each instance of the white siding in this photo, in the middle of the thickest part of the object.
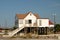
(44, 22)
(21, 22)
(30, 16)
(51, 25)
(38, 22)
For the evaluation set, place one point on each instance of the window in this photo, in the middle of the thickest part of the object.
(21, 21)
(40, 22)
(29, 21)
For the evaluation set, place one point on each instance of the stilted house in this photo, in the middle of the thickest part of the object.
(31, 23)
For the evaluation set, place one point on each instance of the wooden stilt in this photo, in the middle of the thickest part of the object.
(25, 30)
(37, 30)
(46, 30)
(30, 29)
(41, 30)
(34, 30)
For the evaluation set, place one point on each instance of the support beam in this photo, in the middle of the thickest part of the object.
(37, 30)
(34, 30)
(41, 30)
(25, 30)
(46, 30)
(30, 29)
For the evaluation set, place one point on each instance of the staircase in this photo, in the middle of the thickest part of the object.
(10, 34)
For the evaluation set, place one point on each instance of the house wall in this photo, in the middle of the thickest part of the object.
(30, 16)
(44, 22)
(19, 22)
(51, 25)
(39, 22)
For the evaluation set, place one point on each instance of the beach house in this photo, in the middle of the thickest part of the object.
(32, 23)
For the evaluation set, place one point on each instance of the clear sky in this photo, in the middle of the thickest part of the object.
(45, 8)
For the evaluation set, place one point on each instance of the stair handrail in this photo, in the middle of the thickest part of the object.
(15, 29)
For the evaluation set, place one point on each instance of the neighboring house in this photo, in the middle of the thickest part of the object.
(31, 23)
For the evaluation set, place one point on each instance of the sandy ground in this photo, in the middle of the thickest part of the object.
(1, 38)
(24, 39)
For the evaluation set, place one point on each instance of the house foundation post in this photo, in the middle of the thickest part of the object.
(34, 30)
(46, 30)
(37, 30)
(30, 29)
(25, 30)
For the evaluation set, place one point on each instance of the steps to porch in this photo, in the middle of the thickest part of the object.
(12, 33)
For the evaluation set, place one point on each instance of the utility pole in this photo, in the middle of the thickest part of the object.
(54, 15)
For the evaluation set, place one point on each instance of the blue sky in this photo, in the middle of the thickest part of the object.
(45, 8)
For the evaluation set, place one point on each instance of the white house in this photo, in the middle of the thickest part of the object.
(31, 23)
(30, 20)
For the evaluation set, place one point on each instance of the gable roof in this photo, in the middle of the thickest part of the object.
(22, 16)
(37, 16)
